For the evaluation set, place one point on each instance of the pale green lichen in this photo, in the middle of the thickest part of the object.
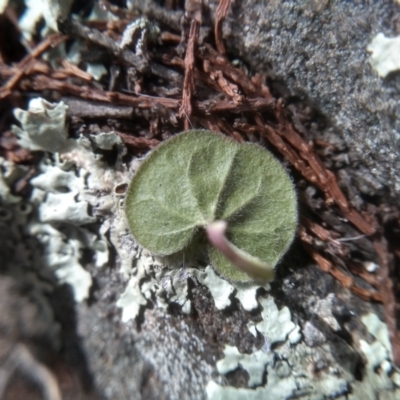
(247, 295)
(378, 329)
(385, 56)
(53, 179)
(96, 70)
(292, 376)
(375, 353)
(254, 363)
(43, 125)
(68, 183)
(5, 193)
(171, 285)
(260, 365)
(379, 377)
(63, 207)
(282, 388)
(131, 300)
(288, 366)
(276, 324)
(287, 371)
(107, 141)
(62, 253)
(220, 289)
(376, 382)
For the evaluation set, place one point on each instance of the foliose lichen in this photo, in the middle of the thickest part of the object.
(71, 180)
(385, 54)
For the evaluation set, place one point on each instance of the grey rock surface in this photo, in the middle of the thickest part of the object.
(318, 51)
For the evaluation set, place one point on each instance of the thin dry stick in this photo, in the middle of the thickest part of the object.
(306, 161)
(188, 83)
(73, 70)
(332, 237)
(51, 41)
(314, 171)
(220, 16)
(41, 82)
(137, 142)
(227, 87)
(325, 179)
(328, 267)
(234, 74)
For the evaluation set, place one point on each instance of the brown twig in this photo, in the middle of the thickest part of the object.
(73, 70)
(51, 41)
(34, 67)
(227, 87)
(188, 83)
(322, 177)
(41, 82)
(335, 245)
(314, 171)
(170, 37)
(234, 74)
(220, 16)
(137, 142)
(249, 105)
(10, 149)
(328, 267)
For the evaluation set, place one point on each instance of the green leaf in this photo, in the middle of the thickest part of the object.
(199, 177)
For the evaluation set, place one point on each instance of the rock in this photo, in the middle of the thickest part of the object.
(317, 51)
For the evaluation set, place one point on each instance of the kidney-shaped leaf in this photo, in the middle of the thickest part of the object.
(199, 177)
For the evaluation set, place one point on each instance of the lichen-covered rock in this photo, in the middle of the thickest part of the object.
(158, 330)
